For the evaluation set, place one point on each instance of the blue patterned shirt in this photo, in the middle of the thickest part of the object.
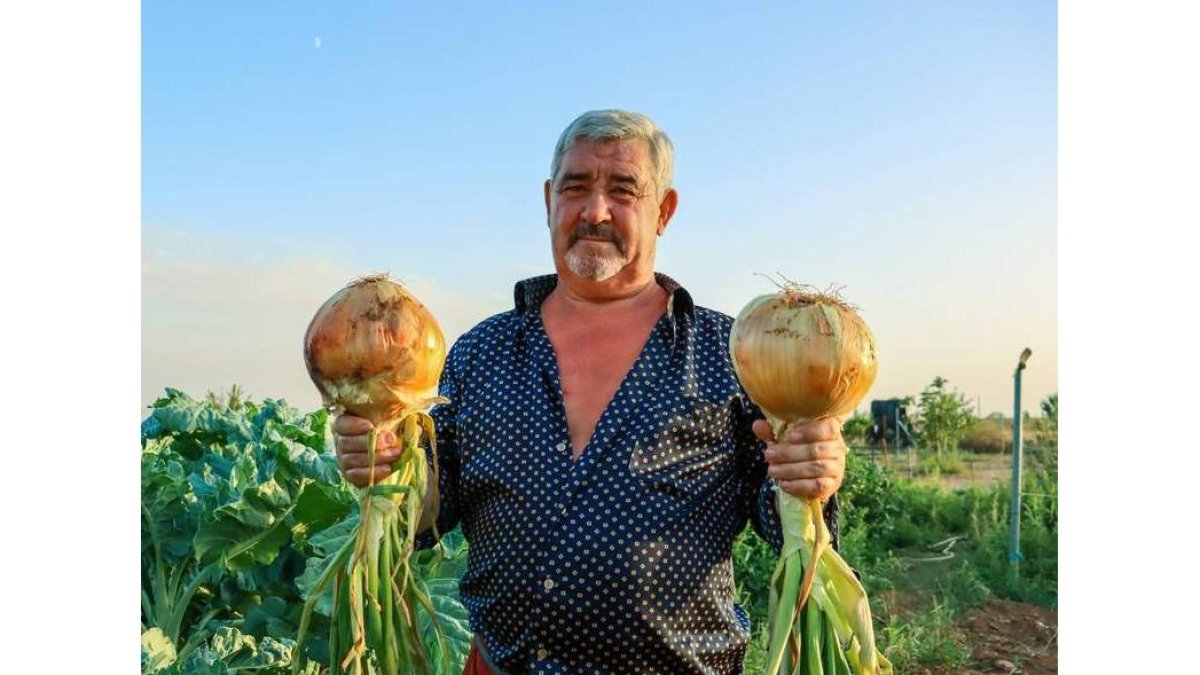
(618, 561)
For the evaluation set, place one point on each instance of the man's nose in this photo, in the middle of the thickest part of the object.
(596, 208)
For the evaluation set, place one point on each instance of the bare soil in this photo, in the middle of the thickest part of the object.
(1007, 637)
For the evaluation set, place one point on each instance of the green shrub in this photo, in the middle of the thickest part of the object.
(869, 510)
(914, 522)
(964, 587)
(855, 429)
(968, 511)
(1038, 579)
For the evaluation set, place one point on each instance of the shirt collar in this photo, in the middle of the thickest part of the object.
(528, 294)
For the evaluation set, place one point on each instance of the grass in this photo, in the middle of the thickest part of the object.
(924, 639)
(950, 463)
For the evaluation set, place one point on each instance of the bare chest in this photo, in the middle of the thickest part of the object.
(593, 360)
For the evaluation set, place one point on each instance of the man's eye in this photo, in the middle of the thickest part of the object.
(623, 195)
(572, 189)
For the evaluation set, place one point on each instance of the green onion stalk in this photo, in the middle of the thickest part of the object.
(819, 612)
(375, 626)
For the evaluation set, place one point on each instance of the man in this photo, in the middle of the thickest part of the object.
(597, 449)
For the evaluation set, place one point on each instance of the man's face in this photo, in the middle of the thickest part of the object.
(603, 209)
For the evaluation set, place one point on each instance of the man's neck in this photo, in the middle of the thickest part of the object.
(569, 298)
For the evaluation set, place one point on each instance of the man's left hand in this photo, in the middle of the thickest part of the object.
(811, 461)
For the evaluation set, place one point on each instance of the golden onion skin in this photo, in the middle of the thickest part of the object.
(374, 350)
(802, 356)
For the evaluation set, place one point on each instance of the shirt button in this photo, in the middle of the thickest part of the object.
(542, 653)
(561, 447)
(559, 506)
(548, 584)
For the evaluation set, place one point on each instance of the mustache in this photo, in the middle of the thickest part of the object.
(596, 231)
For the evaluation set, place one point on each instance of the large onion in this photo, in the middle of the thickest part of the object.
(803, 355)
(374, 350)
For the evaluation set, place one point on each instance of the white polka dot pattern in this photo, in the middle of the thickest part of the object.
(619, 561)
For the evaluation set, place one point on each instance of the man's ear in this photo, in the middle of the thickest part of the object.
(546, 195)
(666, 209)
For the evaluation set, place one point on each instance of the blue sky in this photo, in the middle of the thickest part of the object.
(903, 150)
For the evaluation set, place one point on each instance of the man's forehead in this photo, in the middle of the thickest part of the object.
(633, 153)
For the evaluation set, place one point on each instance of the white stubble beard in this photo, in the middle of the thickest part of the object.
(595, 265)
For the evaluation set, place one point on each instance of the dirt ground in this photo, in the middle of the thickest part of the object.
(1008, 638)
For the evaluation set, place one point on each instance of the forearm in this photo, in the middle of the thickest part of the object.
(439, 510)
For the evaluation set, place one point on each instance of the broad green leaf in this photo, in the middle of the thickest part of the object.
(242, 536)
(245, 472)
(451, 620)
(319, 506)
(324, 545)
(331, 539)
(269, 618)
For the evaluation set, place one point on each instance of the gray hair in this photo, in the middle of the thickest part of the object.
(622, 125)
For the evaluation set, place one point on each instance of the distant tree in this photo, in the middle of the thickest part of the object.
(943, 416)
(1050, 409)
(855, 429)
(1050, 417)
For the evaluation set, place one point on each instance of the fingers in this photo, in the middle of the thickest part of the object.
(362, 477)
(360, 460)
(762, 430)
(805, 452)
(349, 425)
(814, 469)
(353, 435)
(810, 463)
(824, 429)
(352, 445)
(810, 488)
(355, 466)
(352, 440)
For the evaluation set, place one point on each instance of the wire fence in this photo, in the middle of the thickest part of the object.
(957, 467)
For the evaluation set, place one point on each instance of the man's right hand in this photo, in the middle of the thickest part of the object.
(350, 440)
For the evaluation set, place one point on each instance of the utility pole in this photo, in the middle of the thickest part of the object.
(1014, 549)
